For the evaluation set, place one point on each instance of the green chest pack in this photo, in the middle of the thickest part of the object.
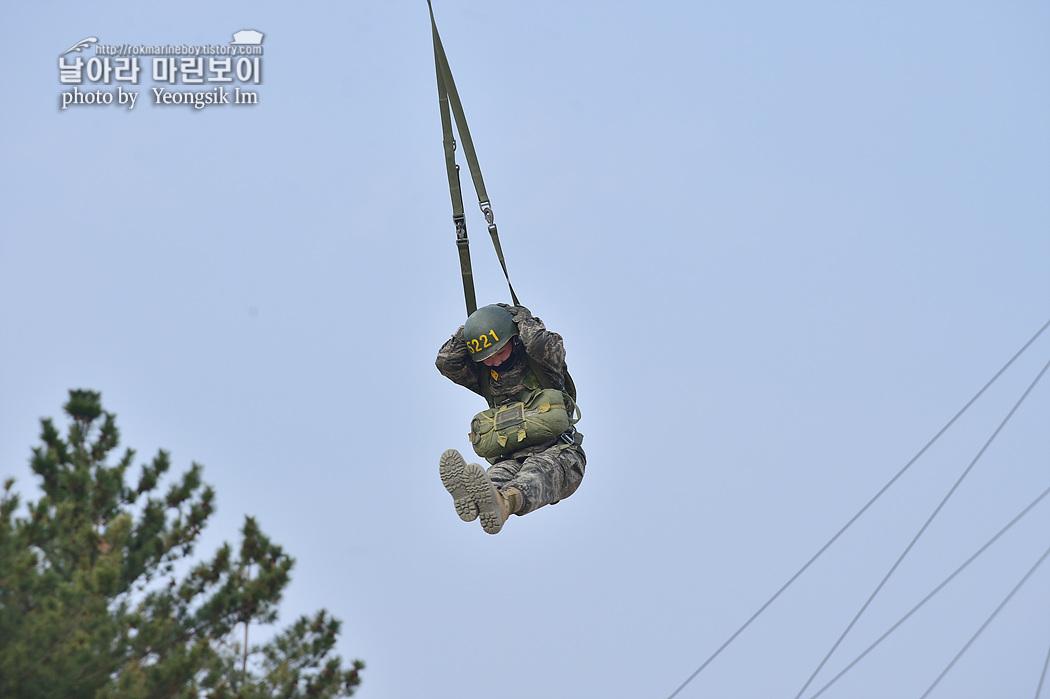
(541, 417)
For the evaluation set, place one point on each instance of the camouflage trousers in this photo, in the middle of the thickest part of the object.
(542, 479)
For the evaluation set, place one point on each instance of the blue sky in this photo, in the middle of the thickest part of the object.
(784, 242)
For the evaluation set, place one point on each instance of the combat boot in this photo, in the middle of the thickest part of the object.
(451, 469)
(494, 506)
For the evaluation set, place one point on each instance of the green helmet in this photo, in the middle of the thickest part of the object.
(487, 330)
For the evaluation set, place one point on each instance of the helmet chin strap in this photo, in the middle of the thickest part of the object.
(511, 359)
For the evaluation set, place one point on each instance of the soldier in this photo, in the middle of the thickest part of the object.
(505, 354)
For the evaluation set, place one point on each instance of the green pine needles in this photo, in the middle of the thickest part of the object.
(91, 601)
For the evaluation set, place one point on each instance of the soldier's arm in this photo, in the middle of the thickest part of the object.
(544, 347)
(455, 364)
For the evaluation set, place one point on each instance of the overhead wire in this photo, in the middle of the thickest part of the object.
(1042, 678)
(930, 596)
(858, 515)
(922, 530)
(986, 622)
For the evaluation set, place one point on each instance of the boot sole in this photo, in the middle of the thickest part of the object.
(451, 469)
(483, 493)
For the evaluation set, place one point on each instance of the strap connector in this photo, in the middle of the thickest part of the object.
(461, 228)
(568, 436)
(486, 209)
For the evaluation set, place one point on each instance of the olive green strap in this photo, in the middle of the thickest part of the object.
(448, 98)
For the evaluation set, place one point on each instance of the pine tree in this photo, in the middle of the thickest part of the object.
(93, 605)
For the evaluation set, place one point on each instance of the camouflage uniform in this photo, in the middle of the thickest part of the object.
(544, 473)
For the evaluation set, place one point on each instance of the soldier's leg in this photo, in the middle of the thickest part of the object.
(513, 487)
(552, 475)
(494, 503)
(502, 472)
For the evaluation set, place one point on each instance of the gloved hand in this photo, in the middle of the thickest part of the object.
(518, 313)
(458, 336)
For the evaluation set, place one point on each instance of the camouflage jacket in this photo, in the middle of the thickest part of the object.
(544, 349)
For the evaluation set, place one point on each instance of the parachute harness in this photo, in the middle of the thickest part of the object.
(448, 100)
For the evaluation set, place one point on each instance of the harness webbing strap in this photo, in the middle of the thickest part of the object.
(448, 100)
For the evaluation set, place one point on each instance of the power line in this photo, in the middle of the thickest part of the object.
(857, 516)
(986, 622)
(922, 530)
(1042, 678)
(937, 589)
